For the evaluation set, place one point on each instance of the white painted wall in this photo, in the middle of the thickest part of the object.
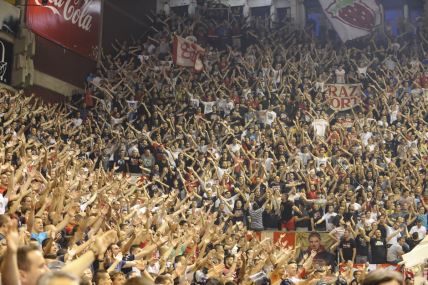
(233, 3)
(281, 3)
(178, 3)
(259, 3)
(192, 7)
(296, 7)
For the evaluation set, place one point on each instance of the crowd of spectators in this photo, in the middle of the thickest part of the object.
(163, 175)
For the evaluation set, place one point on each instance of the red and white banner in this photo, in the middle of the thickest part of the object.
(343, 97)
(352, 18)
(73, 24)
(186, 53)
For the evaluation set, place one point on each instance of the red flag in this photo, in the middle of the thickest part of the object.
(186, 53)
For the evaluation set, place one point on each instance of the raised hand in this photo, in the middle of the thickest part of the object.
(140, 265)
(313, 253)
(119, 257)
(103, 241)
(12, 236)
(216, 270)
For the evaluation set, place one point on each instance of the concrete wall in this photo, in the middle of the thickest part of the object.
(125, 18)
(61, 63)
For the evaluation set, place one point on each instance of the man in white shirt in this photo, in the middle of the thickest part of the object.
(320, 127)
(236, 146)
(229, 200)
(395, 251)
(3, 204)
(420, 229)
(270, 117)
(366, 136)
(389, 63)
(305, 156)
(340, 75)
(328, 218)
(353, 203)
(393, 233)
(78, 120)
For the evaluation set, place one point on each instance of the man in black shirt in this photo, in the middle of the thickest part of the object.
(378, 247)
(277, 184)
(347, 248)
(411, 242)
(382, 226)
(316, 214)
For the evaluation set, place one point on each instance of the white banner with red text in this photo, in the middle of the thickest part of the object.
(186, 53)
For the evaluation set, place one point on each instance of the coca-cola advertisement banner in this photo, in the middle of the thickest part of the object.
(74, 24)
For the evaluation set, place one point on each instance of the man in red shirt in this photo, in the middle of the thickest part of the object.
(4, 181)
(423, 80)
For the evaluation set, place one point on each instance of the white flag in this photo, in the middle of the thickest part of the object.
(352, 18)
(186, 53)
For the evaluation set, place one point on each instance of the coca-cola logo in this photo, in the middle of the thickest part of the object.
(74, 11)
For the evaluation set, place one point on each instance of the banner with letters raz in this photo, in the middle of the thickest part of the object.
(341, 97)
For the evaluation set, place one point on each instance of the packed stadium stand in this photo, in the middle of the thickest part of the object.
(278, 142)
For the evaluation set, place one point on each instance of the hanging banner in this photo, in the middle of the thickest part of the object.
(73, 24)
(9, 17)
(352, 18)
(6, 56)
(343, 97)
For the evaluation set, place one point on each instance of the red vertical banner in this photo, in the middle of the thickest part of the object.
(73, 24)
